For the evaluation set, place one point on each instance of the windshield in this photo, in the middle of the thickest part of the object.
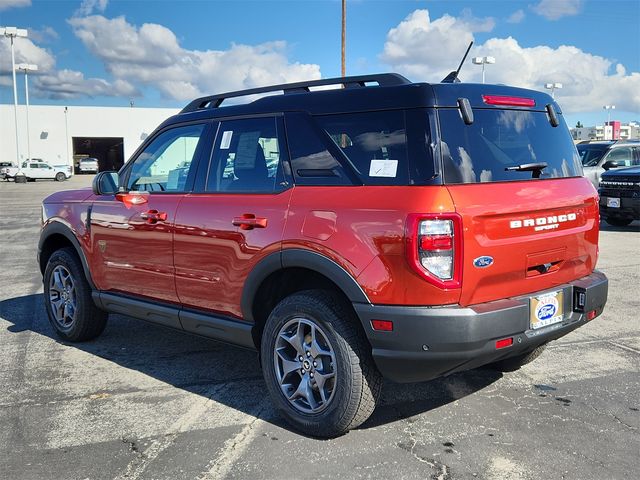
(500, 143)
(590, 155)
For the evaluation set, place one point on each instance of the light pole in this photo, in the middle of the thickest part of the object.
(552, 87)
(483, 61)
(26, 68)
(66, 134)
(608, 108)
(13, 33)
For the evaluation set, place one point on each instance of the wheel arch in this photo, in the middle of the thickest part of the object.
(55, 236)
(283, 273)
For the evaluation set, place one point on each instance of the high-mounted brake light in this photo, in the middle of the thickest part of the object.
(509, 101)
(434, 248)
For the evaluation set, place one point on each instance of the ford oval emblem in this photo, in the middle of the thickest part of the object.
(483, 262)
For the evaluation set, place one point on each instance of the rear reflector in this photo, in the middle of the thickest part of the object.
(510, 101)
(591, 315)
(382, 325)
(505, 342)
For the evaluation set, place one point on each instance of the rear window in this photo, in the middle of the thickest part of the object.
(499, 139)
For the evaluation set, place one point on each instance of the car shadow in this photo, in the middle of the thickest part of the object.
(632, 227)
(193, 363)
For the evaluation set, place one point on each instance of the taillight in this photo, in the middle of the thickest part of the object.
(434, 248)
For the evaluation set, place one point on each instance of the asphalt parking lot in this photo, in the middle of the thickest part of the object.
(146, 402)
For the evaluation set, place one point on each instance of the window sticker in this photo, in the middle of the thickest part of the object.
(383, 168)
(226, 140)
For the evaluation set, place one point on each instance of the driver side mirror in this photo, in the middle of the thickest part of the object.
(609, 164)
(105, 183)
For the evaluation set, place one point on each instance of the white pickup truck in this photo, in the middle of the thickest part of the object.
(36, 170)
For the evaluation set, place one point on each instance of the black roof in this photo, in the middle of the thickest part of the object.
(354, 94)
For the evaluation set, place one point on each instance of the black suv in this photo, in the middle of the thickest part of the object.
(620, 196)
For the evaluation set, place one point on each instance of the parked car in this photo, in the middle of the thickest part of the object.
(88, 165)
(37, 170)
(2, 167)
(597, 157)
(384, 229)
(620, 196)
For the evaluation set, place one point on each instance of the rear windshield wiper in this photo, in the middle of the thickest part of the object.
(536, 168)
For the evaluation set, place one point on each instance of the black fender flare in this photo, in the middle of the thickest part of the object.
(296, 257)
(58, 228)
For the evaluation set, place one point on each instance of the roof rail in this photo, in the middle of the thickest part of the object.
(382, 79)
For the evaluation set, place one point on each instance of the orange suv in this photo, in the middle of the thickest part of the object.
(382, 228)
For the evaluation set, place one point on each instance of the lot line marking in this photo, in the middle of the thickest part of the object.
(138, 465)
(232, 450)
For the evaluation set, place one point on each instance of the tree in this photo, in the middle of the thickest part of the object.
(579, 124)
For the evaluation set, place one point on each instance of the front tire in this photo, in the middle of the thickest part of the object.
(317, 364)
(67, 298)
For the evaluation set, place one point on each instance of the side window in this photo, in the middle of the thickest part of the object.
(248, 157)
(636, 156)
(32, 165)
(621, 155)
(374, 142)
(164, 164)
(311, 161)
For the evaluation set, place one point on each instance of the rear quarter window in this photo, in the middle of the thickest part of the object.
(498, 139)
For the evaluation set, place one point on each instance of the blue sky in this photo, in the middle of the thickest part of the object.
(163, 53)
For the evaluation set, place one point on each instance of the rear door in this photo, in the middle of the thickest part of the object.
(235, 217)
(536, 232)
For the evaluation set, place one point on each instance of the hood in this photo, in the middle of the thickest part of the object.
(622, 172)
(67, 196)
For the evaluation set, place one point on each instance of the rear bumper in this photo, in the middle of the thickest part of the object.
(429, 342)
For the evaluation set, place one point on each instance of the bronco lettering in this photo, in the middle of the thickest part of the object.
(551, 220)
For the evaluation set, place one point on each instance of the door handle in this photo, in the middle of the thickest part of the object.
(154, 216)
(249, 221)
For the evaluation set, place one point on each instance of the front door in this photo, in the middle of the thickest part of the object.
(132, 232)
(237, 217)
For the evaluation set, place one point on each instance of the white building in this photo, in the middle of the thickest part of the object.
(58, 134)
(615, 130)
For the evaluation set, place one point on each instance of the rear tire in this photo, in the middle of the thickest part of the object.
(514, 363)
(618, 222)
(60, 177)
(67, 299)
(317, 364)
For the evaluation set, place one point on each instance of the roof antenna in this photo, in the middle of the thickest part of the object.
(453, 76)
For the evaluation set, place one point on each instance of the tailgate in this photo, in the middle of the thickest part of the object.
(540, 235)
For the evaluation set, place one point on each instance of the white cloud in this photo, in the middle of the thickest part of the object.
(48, 82)
(590, 81)
(556, 9)
(43, 35)
(151, 55)
(7, 4)
(516, 17)
(26, 52)
(72, 84)
(87, 7)
(440, 43)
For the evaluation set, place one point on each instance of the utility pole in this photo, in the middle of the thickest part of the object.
(12, 33)
(344, 35)
(26, 68)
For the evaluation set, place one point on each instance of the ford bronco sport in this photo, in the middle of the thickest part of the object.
(379, 229)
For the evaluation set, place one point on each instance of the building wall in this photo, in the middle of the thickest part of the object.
(48, 129)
